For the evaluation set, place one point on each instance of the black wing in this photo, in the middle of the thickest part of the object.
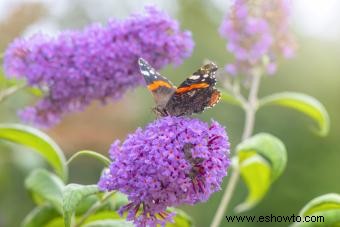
(196, 93)
(160, 87)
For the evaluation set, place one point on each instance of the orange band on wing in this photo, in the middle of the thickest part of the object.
(158, 83)
(215, 97)
(193, 86)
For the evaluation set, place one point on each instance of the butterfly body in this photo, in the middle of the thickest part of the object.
(194, 95)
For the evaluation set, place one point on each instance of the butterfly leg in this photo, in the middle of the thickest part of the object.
(160, 112)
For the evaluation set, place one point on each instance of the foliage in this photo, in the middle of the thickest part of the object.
(259, 159)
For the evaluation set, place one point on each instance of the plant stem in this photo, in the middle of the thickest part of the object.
(94, 208)
(10, 91)
(251, 107)
(226, 198)
(250, 111)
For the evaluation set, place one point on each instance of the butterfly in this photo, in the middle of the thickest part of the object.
(194, 95)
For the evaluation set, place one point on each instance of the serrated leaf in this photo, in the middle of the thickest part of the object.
(302, 103)
(262, 159)
(109, 223)
(324, 209)
(39, 142)
(40, 216)
(72, 195)
(46, 186)
(92, 154)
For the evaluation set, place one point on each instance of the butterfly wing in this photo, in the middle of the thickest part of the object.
(196, 93)
(160, 87)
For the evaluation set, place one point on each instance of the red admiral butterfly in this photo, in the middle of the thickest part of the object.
(193, 96)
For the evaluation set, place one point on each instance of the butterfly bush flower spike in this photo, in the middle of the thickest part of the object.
(173, 161)
(258, 34)
(98, 63)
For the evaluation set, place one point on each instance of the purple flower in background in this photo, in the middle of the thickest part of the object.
(258, 34)
(98, 63)
(174, 160)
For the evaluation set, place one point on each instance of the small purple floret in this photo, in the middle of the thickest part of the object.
(173, 161)
(258, 34)
(98, 63)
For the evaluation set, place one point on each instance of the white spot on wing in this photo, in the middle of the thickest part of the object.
(191, 93)
(194, 77)
(145, 73)
(206, 75)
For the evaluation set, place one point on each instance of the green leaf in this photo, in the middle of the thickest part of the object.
(268, 147)
(325, 207)
(255, 172)
(322, 203)
(303, 103)
(118, 200)
(329, 218)
(35, 91)
(102, 215)
(57, 222)
(6, 82)
(73, 194)
(46, 186)
(86, 203)
(40, 216)
(92, 154)
(109, 223)
(227, 97)
(181, 219)
(39, 142)
(9, 86)
(262, 159)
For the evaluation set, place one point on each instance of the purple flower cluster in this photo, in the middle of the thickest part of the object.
(174, 160)
(258, 34)
(98, 63)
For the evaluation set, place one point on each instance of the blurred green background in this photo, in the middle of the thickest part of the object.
(313, 162)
